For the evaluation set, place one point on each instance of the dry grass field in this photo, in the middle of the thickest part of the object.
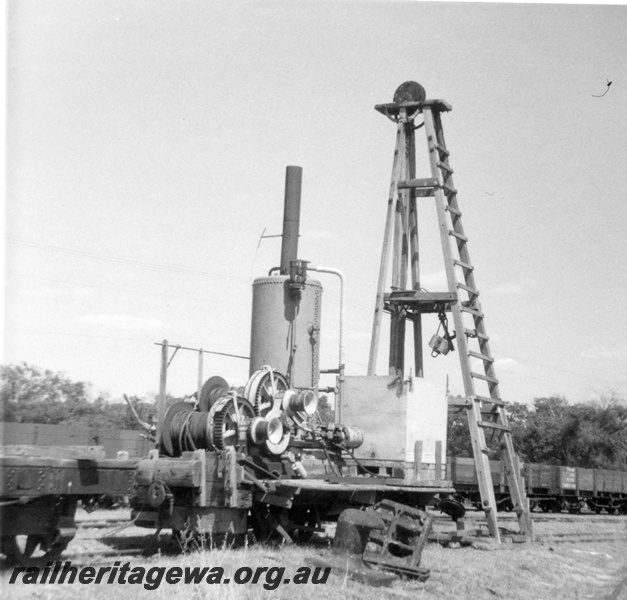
(576, 558)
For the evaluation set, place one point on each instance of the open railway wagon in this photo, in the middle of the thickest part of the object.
(255, 456)
(550, 488)
(47, 470)
(40, 488)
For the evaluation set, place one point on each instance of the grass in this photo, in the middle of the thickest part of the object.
(545, 570)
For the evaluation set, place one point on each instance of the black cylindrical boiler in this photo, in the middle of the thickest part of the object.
(285, 331)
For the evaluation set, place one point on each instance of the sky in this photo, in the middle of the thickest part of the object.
(146, 152)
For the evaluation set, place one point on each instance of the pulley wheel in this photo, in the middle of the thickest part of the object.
(262, 389)
(410, 91)
(212, 390)
(156, 494)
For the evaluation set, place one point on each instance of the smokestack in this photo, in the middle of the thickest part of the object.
(291, 217)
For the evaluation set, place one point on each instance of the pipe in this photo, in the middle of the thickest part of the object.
(291, 217)
(342, 277)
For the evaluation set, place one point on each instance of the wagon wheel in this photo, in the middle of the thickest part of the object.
(22, 549)
(302, 517)
(271, 524)
(556, 506)
(452, 508)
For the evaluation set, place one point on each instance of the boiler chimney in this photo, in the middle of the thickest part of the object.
(291, 217)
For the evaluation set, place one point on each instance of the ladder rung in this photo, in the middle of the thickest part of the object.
(459, 236)
(441, 149)
(447, 188)
(472, 311)
(463, 265)
(488, 425)
(471, 291)
(445, 166)
(483, 357)
(473, 333)
(495, 401)
(484, 377)
(454, 210)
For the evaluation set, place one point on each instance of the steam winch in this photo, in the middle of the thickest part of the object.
(259, 455)
(266, 413)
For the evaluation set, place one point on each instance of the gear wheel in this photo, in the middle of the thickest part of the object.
(223, 417)
(262, 388)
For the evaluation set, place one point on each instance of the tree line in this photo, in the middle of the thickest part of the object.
(552, 431)
(33, 395)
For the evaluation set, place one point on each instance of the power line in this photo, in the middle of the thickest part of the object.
(132, 291)
(86, 335)
(158, 266)
(152, 265)
(122, 259)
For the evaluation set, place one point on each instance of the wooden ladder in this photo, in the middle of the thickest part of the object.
(485, 409)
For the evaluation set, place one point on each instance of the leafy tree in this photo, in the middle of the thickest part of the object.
(325, 411)
(541, 441)
(458, 437)
(30, 394)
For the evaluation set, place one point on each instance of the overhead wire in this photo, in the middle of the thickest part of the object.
(122, 259)
(108, 337)
(211, 300)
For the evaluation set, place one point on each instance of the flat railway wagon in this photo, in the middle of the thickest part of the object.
(40, 488)
(551, 488)
(47, 470)
(257, 457)
(234, 458)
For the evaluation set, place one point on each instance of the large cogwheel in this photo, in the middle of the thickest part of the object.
(224, 425)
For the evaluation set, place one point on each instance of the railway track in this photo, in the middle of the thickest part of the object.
(543, 518)
(580, 538)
